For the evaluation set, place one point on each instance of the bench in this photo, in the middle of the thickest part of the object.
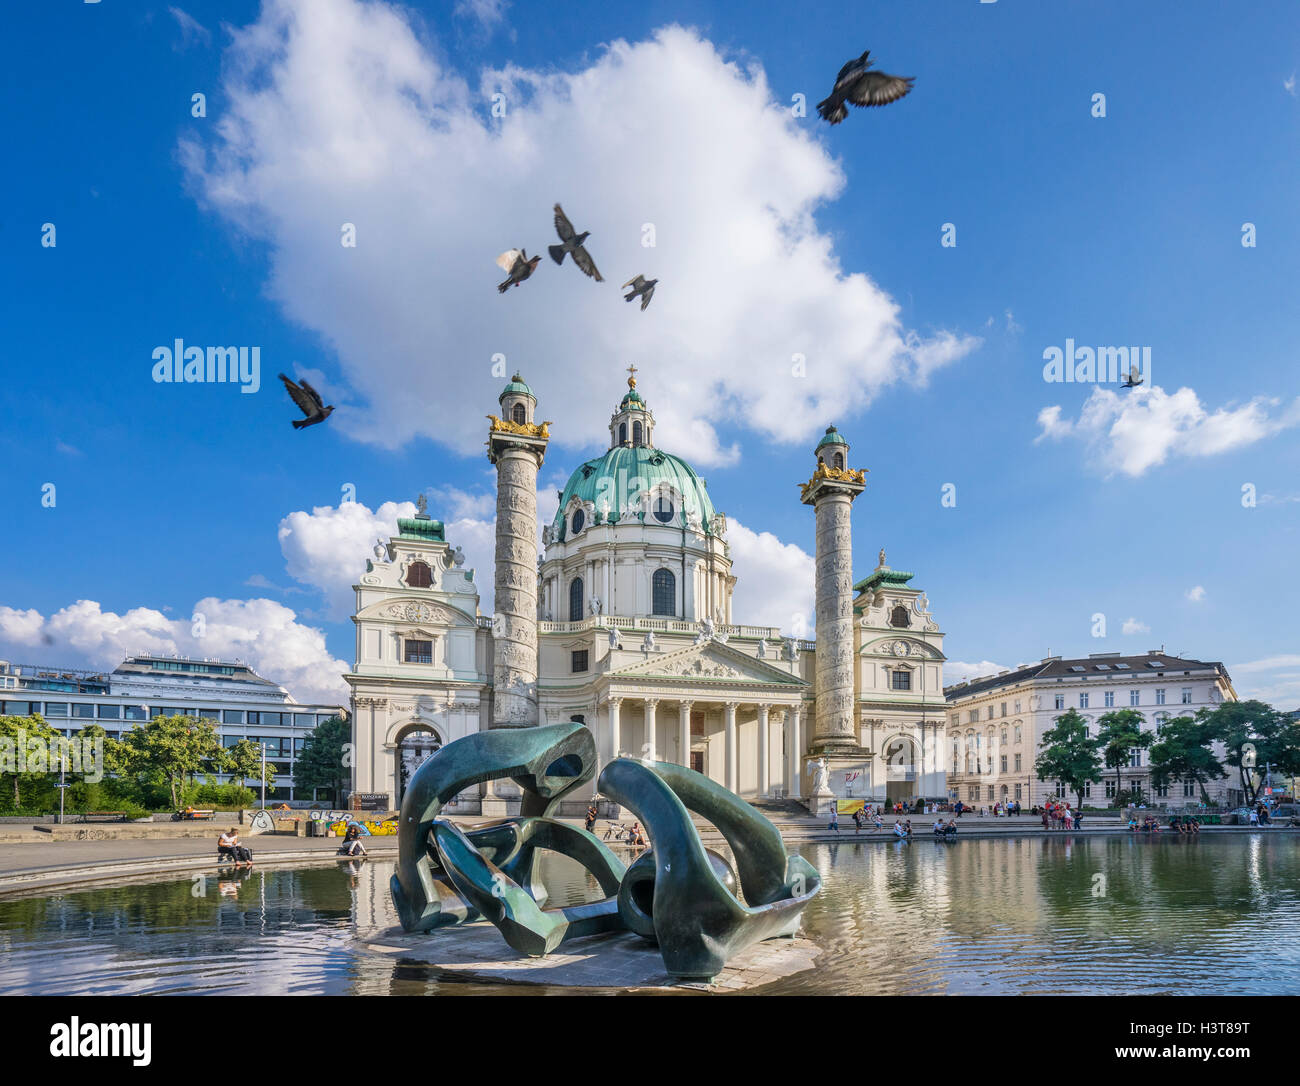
(195, 815)
(104, 816)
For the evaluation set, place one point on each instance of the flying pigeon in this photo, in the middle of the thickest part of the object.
(860, 87)
(517, 266)
(642, 286)
(308, 401)
(1133, 378)
(572, 244)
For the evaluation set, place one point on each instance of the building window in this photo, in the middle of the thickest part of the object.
(664, 509)
(232, 716)
(1135, 697)
(83, 711)
(1018, 787)
(1060, 790)
(990, 793)
(622, 433)
(1135, 757)
(1160, 697)
(1018, 763)
(1110, 789)
(900, 679)
(1004, 736)
(1018, 733)
(664, 592)
(1083, 701)
(579, 660)
(636, 433)
(133, 712)
(974, 793)
(1004, 709)
(1060, 701)
(1017, 709)
(1189, 789)
(579, 519)
(1187, 695)
(575, 600)
(990, 710)
(1109, 698)
(839, 461)
(56, 708)
(110, 712)
(1004, 763)
(974, 715)
(898, 617)
(418, 575)
(519, 413)
(418, 652)
(1162, 790)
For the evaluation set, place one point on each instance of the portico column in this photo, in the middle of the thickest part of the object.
(729, 720)
(684, 733)
(614, 706)
(649, 750)
(794, 783)
(764, 780)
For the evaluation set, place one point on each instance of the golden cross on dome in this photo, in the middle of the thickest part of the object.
(631, 381)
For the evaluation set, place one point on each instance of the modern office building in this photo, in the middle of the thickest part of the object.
(996, 723)
(241, 703)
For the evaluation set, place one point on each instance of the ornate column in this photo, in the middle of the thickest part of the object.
(649, 749)
(764, 781)
(614, 739)
(517, 448)
(830, 492)
(794, 768)
(730, 748)
(684, 733)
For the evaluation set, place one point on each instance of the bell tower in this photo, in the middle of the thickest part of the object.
(632, 425)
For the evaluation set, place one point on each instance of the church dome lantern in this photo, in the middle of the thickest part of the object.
(632, 425)
(833, 450)
(517, 402)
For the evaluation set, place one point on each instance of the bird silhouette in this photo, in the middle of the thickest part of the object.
(518, 266)
(859, 86)
(308, 401)
(640, 286)
(1133, 378)
(572, 243)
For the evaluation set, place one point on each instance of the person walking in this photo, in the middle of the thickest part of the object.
(835, 818)
(857, 820)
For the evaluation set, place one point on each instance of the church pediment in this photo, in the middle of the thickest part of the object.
(424, 612)
(902, 648)
(712, 662)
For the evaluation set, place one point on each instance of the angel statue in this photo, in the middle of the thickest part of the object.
(822, 780)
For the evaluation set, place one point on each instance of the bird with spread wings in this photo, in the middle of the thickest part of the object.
(308, 401)
(859, 86)
(571, 242)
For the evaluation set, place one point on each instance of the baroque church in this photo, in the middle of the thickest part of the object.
(622, 620)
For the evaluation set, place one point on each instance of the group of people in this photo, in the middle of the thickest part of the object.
(1058, 816)
(945, 829)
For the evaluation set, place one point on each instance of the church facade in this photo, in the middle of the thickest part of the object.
(624, 623)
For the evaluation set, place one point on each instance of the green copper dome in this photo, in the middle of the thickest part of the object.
(633, 396)
(628, 475)
(832, 437)
(516, 385)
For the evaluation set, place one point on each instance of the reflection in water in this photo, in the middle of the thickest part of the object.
(1035, 915)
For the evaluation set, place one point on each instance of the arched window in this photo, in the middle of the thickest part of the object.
(898, 616)
(622, 433)
(520, 415)
(575, 600)
(664, 508)
(636, 433)
(665, 592)
(579, 519)
(839, 461)
(418, 575)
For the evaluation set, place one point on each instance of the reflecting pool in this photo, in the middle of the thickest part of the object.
(1106, 915)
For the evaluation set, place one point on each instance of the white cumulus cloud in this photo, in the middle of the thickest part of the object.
(774, 581)
(1196, 593)
(336, 112)
(1133, 626)
(1135, 431)
(956, 671)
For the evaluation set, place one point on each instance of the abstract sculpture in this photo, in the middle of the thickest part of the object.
(678, 894)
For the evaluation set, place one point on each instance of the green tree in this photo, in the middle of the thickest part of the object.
(325, 763)
(1182, 750)
(1120, 731)
(1069, 755)
(28, 769)
(1256, 735)
(244, 763)
(170, 750)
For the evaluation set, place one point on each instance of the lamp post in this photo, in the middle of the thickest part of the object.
(262, 744)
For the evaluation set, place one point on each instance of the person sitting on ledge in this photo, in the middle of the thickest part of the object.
(352, 845)
(226, 846)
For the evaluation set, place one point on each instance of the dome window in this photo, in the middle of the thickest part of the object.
(664, 509)
(579, 519)
(839, 461)
(622, 433)
(575, 600)
(418, 575)
(664, 594)
(519, 413)
(636, 433)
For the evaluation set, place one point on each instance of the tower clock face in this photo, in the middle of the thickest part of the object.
(900, 648)
(419, 612)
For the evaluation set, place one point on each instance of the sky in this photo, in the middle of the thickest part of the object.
(1088, 174)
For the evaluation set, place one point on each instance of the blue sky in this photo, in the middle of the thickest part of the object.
(1115, 230)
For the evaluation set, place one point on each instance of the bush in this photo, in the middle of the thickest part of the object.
(227, 797)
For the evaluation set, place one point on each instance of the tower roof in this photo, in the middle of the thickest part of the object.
(516, 385)
(831, 437)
